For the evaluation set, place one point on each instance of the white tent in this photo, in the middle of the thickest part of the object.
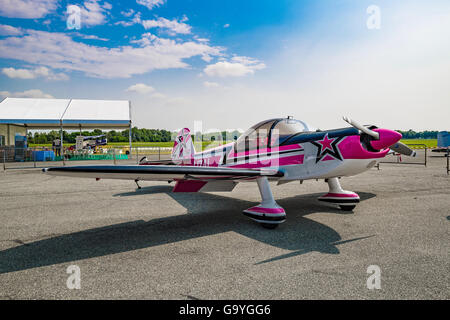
(66, 113)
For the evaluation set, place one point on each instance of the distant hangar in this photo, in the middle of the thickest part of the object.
(17, 115)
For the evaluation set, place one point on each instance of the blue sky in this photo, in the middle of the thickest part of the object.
(234, 63)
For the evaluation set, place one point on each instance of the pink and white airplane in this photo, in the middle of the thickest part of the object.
(279, 150)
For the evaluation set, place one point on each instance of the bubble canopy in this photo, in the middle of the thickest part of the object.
(271, 133)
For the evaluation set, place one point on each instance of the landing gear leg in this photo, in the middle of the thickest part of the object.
(269, 214)
(136, 181)
(346, 200)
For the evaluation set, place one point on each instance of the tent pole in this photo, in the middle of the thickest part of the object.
(62, 144)
(8, 136)
(129, 133)
(129, 138)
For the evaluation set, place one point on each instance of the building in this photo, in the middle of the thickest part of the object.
(18, 115)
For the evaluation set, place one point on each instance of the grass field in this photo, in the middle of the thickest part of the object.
(430, 143)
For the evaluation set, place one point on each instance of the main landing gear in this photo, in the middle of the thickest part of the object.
(346, 200)
(269, 214)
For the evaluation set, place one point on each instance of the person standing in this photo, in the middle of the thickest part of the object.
(57, 147)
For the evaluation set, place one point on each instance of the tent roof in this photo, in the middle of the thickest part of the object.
(71, 113)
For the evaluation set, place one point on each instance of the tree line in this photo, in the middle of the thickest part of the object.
(411, 134)
(161, 135)
(137, 135)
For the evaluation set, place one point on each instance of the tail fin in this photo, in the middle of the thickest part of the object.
(183, 147)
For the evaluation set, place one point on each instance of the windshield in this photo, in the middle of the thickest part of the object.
(291, 126)
(256, 137)
(276, 131)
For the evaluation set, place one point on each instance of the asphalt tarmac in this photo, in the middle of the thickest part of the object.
(154, 244)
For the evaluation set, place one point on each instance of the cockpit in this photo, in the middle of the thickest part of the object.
(271, 133)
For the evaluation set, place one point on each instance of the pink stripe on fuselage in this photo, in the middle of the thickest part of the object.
(266, 150)
(275, 162)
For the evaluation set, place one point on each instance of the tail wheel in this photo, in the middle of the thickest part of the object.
(347, 208)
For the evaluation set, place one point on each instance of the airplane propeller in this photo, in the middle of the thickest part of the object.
(362, 128)
(403, 149)
(397, 147)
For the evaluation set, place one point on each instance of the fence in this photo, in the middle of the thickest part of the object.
(448, 160)
(42, 157)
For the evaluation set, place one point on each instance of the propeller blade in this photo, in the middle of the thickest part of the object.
(403, 149)
(362, 128)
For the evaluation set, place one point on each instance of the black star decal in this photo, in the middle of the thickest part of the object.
(328, 146)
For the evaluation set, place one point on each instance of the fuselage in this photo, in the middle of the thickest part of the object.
(300, 155)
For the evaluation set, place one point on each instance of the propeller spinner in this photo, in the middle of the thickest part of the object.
(397, 147)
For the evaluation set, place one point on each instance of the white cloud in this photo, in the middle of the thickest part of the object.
(146, 90)
(28, 9)
(174, 25)
(238, 67)
(6, 30)
(136, 19)
(89, 36)
(19, 73)
(150, 4)
(107, 6)
(33, 73)
(208, 84)
(226, 25)
(128, 13)
(206, 58)
(124, 23)
(140, 88)
(93, 13)
(59, 51)
(33, 93)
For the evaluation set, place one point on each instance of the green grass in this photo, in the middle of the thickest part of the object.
(430, 143)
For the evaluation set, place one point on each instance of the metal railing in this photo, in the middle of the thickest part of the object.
(448, 160)
(41, 157)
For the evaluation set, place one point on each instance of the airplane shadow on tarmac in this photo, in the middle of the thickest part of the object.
(207, 214)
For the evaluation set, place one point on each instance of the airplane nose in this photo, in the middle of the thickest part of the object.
(387, 138)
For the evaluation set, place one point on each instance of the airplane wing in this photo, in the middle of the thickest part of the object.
(189, 178)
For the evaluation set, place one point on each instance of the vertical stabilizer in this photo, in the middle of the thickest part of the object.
(183, 147)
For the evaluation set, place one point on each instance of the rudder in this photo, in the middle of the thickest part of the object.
(183, 147)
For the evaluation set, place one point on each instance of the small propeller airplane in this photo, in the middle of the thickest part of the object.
(282, 150)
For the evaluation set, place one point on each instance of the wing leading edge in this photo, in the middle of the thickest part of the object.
(161, 172)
